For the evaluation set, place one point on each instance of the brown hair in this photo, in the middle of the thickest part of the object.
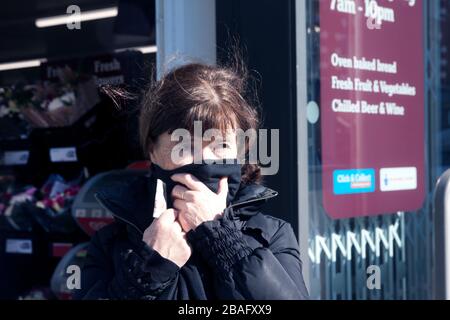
(211, 94)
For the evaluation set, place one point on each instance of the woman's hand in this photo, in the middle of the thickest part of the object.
(166, 236)
(197, 203)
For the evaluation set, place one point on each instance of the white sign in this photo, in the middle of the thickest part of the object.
(11, 158)
(22, 246)
(398, 179)
(63, 154)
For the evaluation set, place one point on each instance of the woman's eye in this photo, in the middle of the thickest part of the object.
(220, 148)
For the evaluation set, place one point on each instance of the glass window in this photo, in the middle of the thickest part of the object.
(378, 96)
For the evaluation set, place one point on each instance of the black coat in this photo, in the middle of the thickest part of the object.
(244, 255)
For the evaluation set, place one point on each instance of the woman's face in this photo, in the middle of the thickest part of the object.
(214, 149)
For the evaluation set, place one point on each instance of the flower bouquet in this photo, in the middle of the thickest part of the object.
(16, 212)
(55, 104)
(53, 209)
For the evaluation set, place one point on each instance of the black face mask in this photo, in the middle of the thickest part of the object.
(208, 174)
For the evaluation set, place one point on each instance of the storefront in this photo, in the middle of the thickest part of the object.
(59, 128)
(378, 72)
(369, 139)
(358, 89)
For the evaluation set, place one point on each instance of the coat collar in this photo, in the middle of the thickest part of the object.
(132, 201)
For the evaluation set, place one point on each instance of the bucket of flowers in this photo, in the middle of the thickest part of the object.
(52, 210)
(55, 103)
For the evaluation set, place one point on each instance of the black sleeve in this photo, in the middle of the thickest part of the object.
(273, 272)
(135, 272)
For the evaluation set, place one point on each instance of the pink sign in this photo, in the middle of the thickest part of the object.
(372, 106)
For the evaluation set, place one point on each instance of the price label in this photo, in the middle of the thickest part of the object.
(68, 154)
(13, 158)
(21, 246)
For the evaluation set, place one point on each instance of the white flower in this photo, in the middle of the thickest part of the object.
(3, 111)
(68, 98)
(55, 104)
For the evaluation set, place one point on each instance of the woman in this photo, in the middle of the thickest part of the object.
(209, 240)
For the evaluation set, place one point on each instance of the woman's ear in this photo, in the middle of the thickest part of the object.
(155, 156)
(151, 156)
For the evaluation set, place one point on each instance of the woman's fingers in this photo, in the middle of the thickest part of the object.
(190, 182)
(179, 192)
(180, 205)
(183, 224)
(168, 216)
(177, 227)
